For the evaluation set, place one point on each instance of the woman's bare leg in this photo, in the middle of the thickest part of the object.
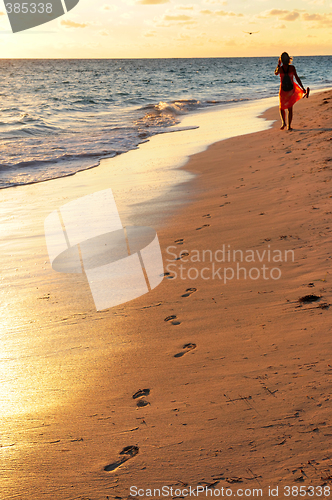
(290, 117)
(283, 119)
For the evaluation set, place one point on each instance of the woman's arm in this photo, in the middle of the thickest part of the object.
(297, 78)
(277, 70)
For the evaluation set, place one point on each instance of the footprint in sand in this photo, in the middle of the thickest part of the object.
(207, 216)
(140, 395)
(307, 299)
(189, 292)
(127, 452)
(179, 242)
(142, 403)
(168, 276)
(182, 254)
(173, 320)
(204, 225)
(186, 348)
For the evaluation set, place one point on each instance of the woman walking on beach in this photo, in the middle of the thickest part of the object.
(289, 92)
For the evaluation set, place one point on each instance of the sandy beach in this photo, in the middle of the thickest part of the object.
(229, 358)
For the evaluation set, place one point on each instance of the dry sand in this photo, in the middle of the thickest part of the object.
(247, 402)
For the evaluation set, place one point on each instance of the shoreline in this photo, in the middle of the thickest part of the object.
(186, 118)
(247, 400)
(188, 122)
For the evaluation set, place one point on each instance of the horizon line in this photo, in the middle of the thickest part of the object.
(145, 58)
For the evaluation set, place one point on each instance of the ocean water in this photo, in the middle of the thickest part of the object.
(58, 117)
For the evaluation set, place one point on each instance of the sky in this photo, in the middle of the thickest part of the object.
(176, 28)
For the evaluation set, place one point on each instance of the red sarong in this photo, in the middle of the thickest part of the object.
(288, 99)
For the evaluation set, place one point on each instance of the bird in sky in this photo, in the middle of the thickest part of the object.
(251, 32)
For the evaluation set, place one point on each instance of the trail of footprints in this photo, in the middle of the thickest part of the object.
(206, 216)
(131, 451)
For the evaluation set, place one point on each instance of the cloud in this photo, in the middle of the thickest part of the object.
(292, 16)
(312, 17)
(220, 13)
(72, 24)
(152, 2)
(319, 20)
(223, 13)
(104, 33)
(184, 7)
(283, 15)
(108, 7)
(168, 19)
(277, 12)
(180, 17)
